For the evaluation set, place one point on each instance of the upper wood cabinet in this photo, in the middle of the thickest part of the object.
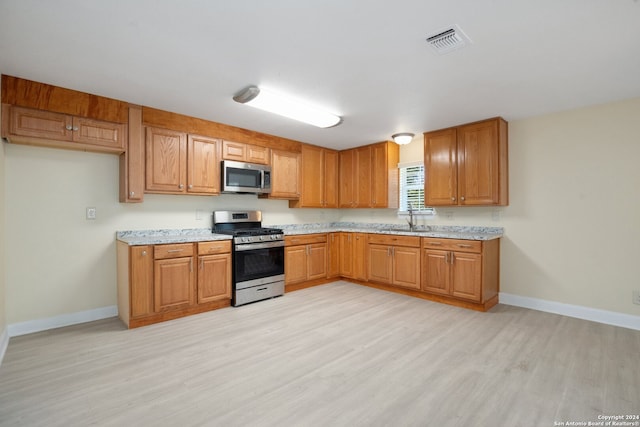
(467, 165)
(368, 176)
(285, 175)
(46, 128)
(319, 180)
(245, 152)
(178, 163)
(132, 161)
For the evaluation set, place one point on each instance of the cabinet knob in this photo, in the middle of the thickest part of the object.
(131, 193)
(462, 198)
(69, 127)
(453, 199)
(181, 186)
(190, 186)
(75, 128)
(144, 253)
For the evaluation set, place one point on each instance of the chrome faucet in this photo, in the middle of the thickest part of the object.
(412, 225)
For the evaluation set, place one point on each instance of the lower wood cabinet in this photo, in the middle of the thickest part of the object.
(333, 249)
(394, 260)
(305, 258)
(353, 255)
(462, 269)
(162, 282)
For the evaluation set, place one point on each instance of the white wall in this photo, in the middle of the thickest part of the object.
(3, 270)
(572, 233)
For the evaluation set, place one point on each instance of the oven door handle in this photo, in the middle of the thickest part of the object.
(265, 245)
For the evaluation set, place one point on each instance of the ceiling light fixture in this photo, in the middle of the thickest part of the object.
(402, 138)
(280, 104)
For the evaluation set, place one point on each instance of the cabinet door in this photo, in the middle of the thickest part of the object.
(406, 267)
(346, 255)
(132, 160)
(360, 256)
(346, 179)
(214, 277)
(285, 175)
(295, 264)
(173, 283)
(478, 167)
(466, 277)
(436, 272)
(316, 261)
(333, 245)
(257, 154)
(97, 132)
(166, 160)
(40, 124)
(312, 193)
(379, 175)
(440, 166)
(141, 280)
(363, 177)
(234, 151)
(380, 263)
(330, 178)
(203, 170)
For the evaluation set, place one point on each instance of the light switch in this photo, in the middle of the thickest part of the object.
(91, 213)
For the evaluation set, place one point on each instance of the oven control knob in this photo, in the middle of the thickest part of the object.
(262, 237)
(273, 237)
(245, 239)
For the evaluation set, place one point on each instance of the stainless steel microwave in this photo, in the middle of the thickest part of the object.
(242, 177)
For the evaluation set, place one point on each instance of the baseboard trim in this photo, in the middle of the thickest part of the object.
(4, 343)
(38, 325)
(577, 311)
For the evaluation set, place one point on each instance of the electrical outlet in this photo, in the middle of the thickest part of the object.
(636, 297)
(199, 214)
(91, 213)
(495, 215)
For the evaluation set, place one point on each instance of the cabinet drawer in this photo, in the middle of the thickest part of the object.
(173, 251)
(208, 248)
(392, 239)
(304, 239)
(452, 244)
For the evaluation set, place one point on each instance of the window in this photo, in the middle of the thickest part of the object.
(412, 189)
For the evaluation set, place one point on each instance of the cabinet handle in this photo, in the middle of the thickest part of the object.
(173, 251)
(191, 264)
(69, 127)
(201, 263)
(75, 128)
(434, 243)
(462, 245)
(452, 257)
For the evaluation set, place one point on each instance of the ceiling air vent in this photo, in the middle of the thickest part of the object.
(448, 40)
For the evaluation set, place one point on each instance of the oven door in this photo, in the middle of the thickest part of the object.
(257, 261)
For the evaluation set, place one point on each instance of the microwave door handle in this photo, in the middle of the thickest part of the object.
(261, 179)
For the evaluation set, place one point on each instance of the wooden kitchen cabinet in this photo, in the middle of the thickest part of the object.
(305, 258)
(463, 269)
(167, 281)
(245, 152)
(47, 128)
(333, 249)
(394, 260)
(353, 255)
(319, 178)
(177, 163)
(132, 161)
(214, 271)
(467, 165)
(368, 176)
(173, 277)
(285, 175)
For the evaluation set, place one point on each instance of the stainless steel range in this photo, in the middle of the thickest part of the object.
(258, 255)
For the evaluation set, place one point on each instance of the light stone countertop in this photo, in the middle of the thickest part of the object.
(155, 237)
(441, 231)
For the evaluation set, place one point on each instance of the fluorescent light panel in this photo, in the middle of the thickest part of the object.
(276, 103)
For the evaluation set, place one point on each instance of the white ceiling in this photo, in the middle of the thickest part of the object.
(366, 60)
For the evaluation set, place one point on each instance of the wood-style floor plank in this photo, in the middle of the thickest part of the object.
(333, 355)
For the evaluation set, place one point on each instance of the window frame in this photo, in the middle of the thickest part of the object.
(402, 208)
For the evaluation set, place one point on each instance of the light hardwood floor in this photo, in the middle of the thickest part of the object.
(334, 355)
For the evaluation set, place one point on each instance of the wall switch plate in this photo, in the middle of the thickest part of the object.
(91, 213)
(636, 297)
(199, 214)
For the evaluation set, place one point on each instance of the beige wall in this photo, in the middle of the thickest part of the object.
(572, 233)
(3, 270)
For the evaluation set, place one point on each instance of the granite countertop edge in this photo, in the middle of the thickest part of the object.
(168, 236)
